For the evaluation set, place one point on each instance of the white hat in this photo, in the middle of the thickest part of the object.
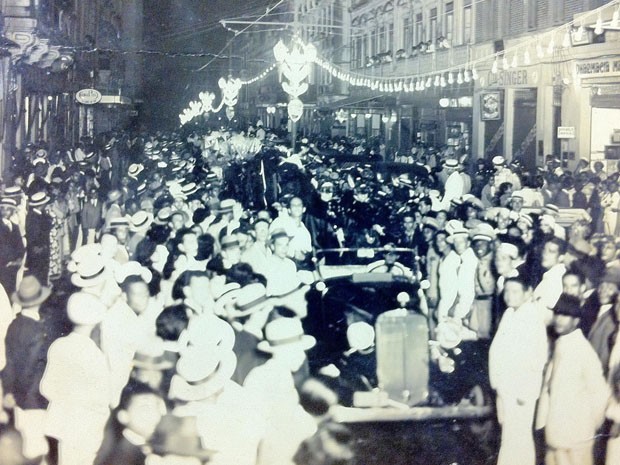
(122, 272)
(140, 221)
(202, 373)
(134, 170)
(89, 272)
(498, 160)
(38, 199)
(208, 332)
(85, 309)
(285, 333)
(506, 248)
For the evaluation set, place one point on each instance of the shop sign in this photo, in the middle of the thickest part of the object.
(88, 96)
(513, 78)
(604, 67)
(566, 132)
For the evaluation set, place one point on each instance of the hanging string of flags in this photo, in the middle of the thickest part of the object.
(294, 65)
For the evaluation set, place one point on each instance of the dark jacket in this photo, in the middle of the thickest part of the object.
(27, 342)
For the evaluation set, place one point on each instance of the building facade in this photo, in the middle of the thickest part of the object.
(56, 48)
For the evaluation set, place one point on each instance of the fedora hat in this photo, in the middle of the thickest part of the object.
(124, 271)
(285, 333)
(229, 241)
(39, 199)
(202, 373)
(31, 293)
(114, 195)
(249, 299)
(85, 309)
(207, 332)
(140, 221)
(89, 272)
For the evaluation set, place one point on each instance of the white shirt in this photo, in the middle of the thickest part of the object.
(281, 276)
(453, 189)
(550, 288)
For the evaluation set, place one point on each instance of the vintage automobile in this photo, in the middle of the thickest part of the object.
(439, 379)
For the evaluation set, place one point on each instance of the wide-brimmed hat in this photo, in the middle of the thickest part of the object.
(39, 199)
(85, 309)
(430, 222)
(120, 222)
(202, 373)
(207, 332)
(140, 221)
(285, 334)
(89, 272)
(451, 163)
(30, 292)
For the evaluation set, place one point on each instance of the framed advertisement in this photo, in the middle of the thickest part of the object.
(490, 106)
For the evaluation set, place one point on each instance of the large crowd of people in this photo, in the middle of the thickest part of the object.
(153, 293)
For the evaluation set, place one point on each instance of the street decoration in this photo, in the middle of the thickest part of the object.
(294, 64)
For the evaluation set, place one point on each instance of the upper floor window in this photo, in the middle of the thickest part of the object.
(432, 23)
(419, 29)
(467, 25)
(449, 21)
(407, 33)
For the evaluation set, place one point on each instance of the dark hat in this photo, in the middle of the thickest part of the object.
(568, 305)
(31, 293)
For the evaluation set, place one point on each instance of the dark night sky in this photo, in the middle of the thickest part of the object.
(185, 26)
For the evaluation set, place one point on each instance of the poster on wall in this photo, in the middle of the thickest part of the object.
(490, 108)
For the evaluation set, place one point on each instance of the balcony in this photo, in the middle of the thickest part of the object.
(411, 64)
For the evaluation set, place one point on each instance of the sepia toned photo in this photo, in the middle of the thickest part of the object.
(310, 232)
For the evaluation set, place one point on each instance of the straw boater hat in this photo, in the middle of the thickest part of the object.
(8, 203)
(140, 221)
(30, 293)
(39, 199)
(134, 170)
(285, 334)
(202, 373)
(451, 163)
(13, 191)
(498, 160)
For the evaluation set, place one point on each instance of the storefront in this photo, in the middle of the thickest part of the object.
(597, 118)
(511, 116)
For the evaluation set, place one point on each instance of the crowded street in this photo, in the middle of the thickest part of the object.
(310, 232)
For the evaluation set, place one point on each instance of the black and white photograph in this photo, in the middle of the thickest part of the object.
(310, 232)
